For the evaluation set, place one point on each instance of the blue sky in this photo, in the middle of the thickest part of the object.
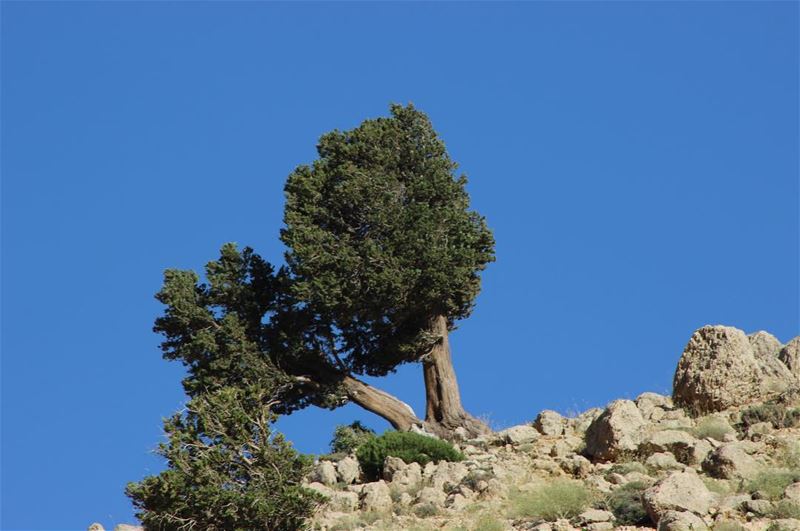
(638, 163)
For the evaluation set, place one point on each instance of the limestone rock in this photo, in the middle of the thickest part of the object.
(592, 516)
(96, 527)
(792, 493)
(663, 461)
(348, 470)
(650, 402)
(680, 491)
(677, 442)
(549, 423)
(128, 527)
(766, 349)
(730, 461)
(517, 435)
(376, 497)
(324, 473)
(343, 501)
(617, 430)
(681, 521)
(408, 478)
(719, 370)
(431, 496)
(448, 475)
(582, 422)
(392, 465)
(790, 356)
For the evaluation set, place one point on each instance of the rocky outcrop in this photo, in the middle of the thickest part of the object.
(790, 356)
(617, 430)
(680, 491)
(719, 369)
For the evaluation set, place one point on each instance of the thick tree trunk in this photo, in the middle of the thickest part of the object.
(444, 412)
(395, 411)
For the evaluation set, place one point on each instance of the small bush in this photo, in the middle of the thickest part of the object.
(728, 525)
(489, 523)
(626, 504)
(717, 486)
(785, 509)
(560, 498)
(772, 482)
(779, 415)
(627, 468)
(410, 447)
(712, 427)
(347, 438)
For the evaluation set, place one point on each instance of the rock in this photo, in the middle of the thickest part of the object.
(784, 524)
(347, 470)
(96, 527)
(757, 507)
(517, 435)
(663, 461)
(582, 422)
(343, 501)
(549, 423)
(599, 526)
(599, 484)
(681, 521)
(719, 370)
(560, 448)
(730, 461)
(392, 465)
(431, 496)
(759, 428)
(376, 497)
(324, 473)
(577, 466)
(649, 402)
(680, 491)
(790, 356)
(677, 442)
(617, 430)
(456, 502)
(408, 478)
(319, 487)
(766, 349)
(448, 475)
(128, 527)
(698, 452)
(764, 344)
(592, 516)
(792, 493)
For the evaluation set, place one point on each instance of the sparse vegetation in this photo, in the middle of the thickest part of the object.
(785, 509)
(348, 437)
(775, 413)
(772, 482)
(718, 486)
(408, 446)
(560, 498)
(728, 525)
(488, 522)
(713, 427)
(626, 504)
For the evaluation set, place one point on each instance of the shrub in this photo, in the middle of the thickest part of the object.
(347, 438)
(561, 498)
(785, 509)
(712, 427)
(626, 504)
(779, 415)
(410, 447)
(226, 469)
(489, 523)
(772, 482)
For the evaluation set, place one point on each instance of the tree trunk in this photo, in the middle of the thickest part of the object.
(395, 411)
(444, 412)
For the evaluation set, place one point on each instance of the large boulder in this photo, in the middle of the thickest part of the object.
(376, 497)
(324, 473)
(766, 349)
(680, 491)
(616, 431)
(348, 470)
(517, 435)
(731, 461)
(681, 521)
(677, 442)
(790, 356)
(719, 370)
(549, 423)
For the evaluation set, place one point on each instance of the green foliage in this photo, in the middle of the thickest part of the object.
(777, 414)
(785, 509)
(772, 482)
(626, 504)
(226, 470)
(712, 427)
(489, 523)
(347, 438)
(560, 498)
(381, 239)
(408, 446)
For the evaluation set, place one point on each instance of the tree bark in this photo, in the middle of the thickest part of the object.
(444, 412)
(395, 411)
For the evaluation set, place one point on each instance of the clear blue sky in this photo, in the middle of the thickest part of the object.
(638, 163)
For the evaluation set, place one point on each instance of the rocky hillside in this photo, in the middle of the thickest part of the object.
(723, 452)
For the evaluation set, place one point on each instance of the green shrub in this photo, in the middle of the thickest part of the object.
(785, 509)
(347, 438)
(410, 447)
(561, 498)
(779, 415)
(628, 467)
(226, 469)
(712, 427)
(626, 504)
(772, 482)
(489, 523)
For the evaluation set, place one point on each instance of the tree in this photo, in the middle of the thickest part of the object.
(385, 254)
(226, 469)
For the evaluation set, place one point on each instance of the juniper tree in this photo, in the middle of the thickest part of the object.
(227, 470)
(385, 253)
